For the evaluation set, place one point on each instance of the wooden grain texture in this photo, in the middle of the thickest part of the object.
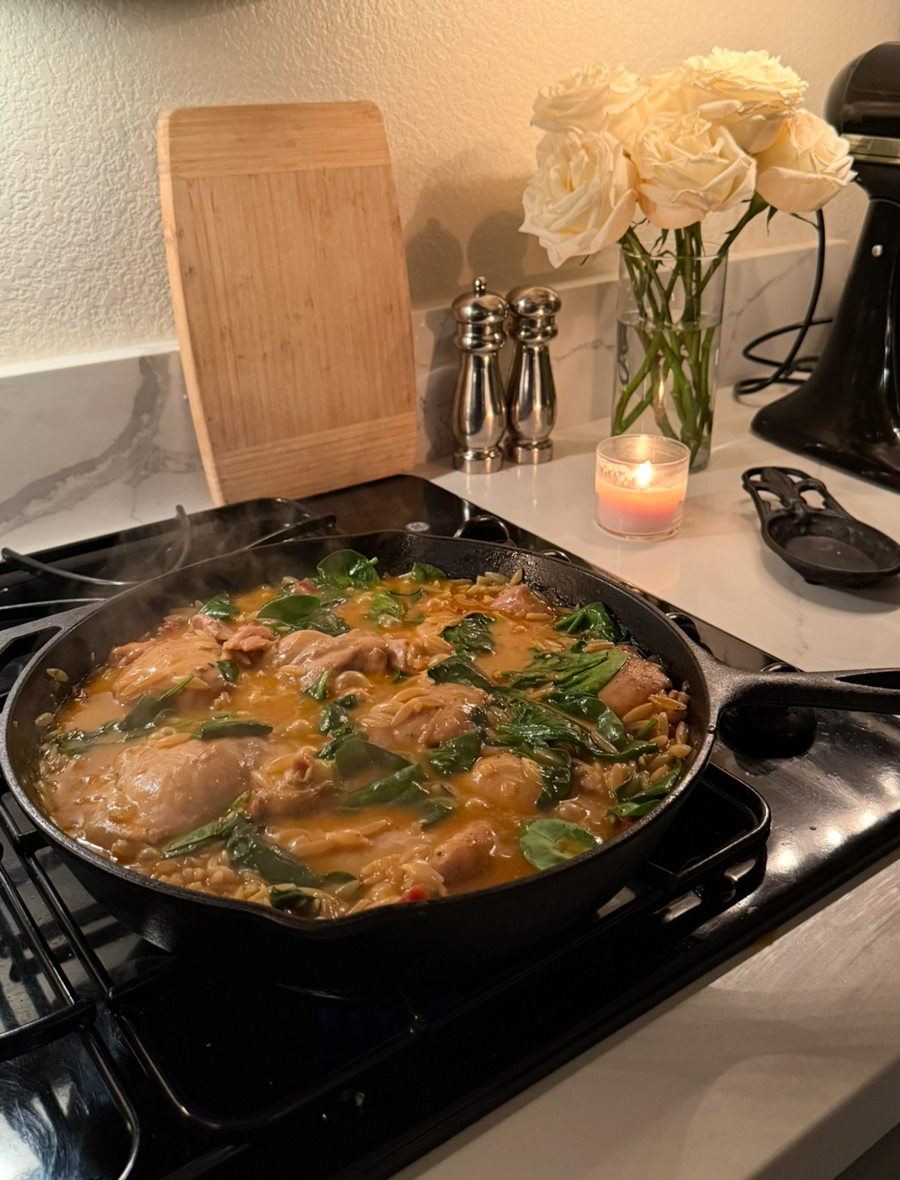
(290, 293)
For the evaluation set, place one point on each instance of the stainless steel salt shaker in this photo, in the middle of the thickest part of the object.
(479, 418)
(530, 389)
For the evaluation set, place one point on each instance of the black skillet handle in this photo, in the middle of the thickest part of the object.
(875, 690)
(788, 484)
(51, 624)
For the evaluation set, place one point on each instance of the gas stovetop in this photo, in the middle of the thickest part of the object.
(117, 1058)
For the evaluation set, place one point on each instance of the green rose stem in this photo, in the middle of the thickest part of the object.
(679, 353)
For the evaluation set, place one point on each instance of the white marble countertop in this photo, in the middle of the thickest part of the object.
(785, 1063)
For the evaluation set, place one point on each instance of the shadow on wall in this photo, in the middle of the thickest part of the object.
(457, 233)
(434, 260)
(497, 250)
(436, 408)
(451, 239)
(441, 268)
(175, 11)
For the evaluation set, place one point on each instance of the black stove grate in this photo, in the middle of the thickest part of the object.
(220, 1057)
(117, 1058)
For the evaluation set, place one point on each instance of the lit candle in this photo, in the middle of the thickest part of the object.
(641, 481)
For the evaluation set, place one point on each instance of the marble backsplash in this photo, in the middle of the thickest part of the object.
(93, 443)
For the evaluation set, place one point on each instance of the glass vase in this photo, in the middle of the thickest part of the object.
(668, 323)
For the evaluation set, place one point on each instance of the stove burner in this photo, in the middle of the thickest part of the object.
(761, 731)
(769, 731)
(484, 528)
(688, 626)
(54, 573)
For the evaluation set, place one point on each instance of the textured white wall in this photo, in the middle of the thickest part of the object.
(81, 258)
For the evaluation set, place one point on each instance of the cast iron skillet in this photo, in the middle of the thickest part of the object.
(434, 944)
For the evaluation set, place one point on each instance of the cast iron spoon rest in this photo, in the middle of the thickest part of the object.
(825, 545)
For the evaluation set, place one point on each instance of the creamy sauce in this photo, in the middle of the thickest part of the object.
(130, 794)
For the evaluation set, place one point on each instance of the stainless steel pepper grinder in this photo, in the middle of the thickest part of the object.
(479, 418)
(530, 389)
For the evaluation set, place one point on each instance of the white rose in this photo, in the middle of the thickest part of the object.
(675, 92)
(592, 98)
(805, 167)
(765, 93)
(582, 196)
(754, 78)
(688, 167)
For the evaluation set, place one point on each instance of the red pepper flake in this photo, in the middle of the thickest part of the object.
(417, 893)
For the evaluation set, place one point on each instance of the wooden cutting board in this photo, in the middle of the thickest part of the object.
(290, 293)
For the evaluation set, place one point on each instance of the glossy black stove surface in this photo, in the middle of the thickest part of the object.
(116, 1058)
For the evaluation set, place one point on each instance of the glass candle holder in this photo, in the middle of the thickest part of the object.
(641, 482)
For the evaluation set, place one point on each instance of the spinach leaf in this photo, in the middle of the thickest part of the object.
(357, 759)
(226, 727)
(386, 604)
(148, 708)
(457, 753)
(325, 621)
(640, 805)
(548, 842)
(635, 805)
(530, 723)
(379, 776)
(392, 605)
(471, 634)
(593, 710)
(633, 749)
(329, 750)
(330, 902)
(79, 741)
(401, 787)
(247, 848)
(607, 724)
(302, 612)
(343, 884)
(556, 772)
(423, 572)
(459, 670)
(332, 716)
(146, 714)
(335, 722)
(318, 690)
(306, 903)
(142, 715)
(220, 606)
(593, 620)
(434, 811)
(581, 673)
(228, 670)
(345, 568)
(218, 829)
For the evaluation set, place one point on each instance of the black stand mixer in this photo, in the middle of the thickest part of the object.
(848, 411)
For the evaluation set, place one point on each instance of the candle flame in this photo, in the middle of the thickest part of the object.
(644, 474)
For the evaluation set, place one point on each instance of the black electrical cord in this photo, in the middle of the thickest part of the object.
(785, 370)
